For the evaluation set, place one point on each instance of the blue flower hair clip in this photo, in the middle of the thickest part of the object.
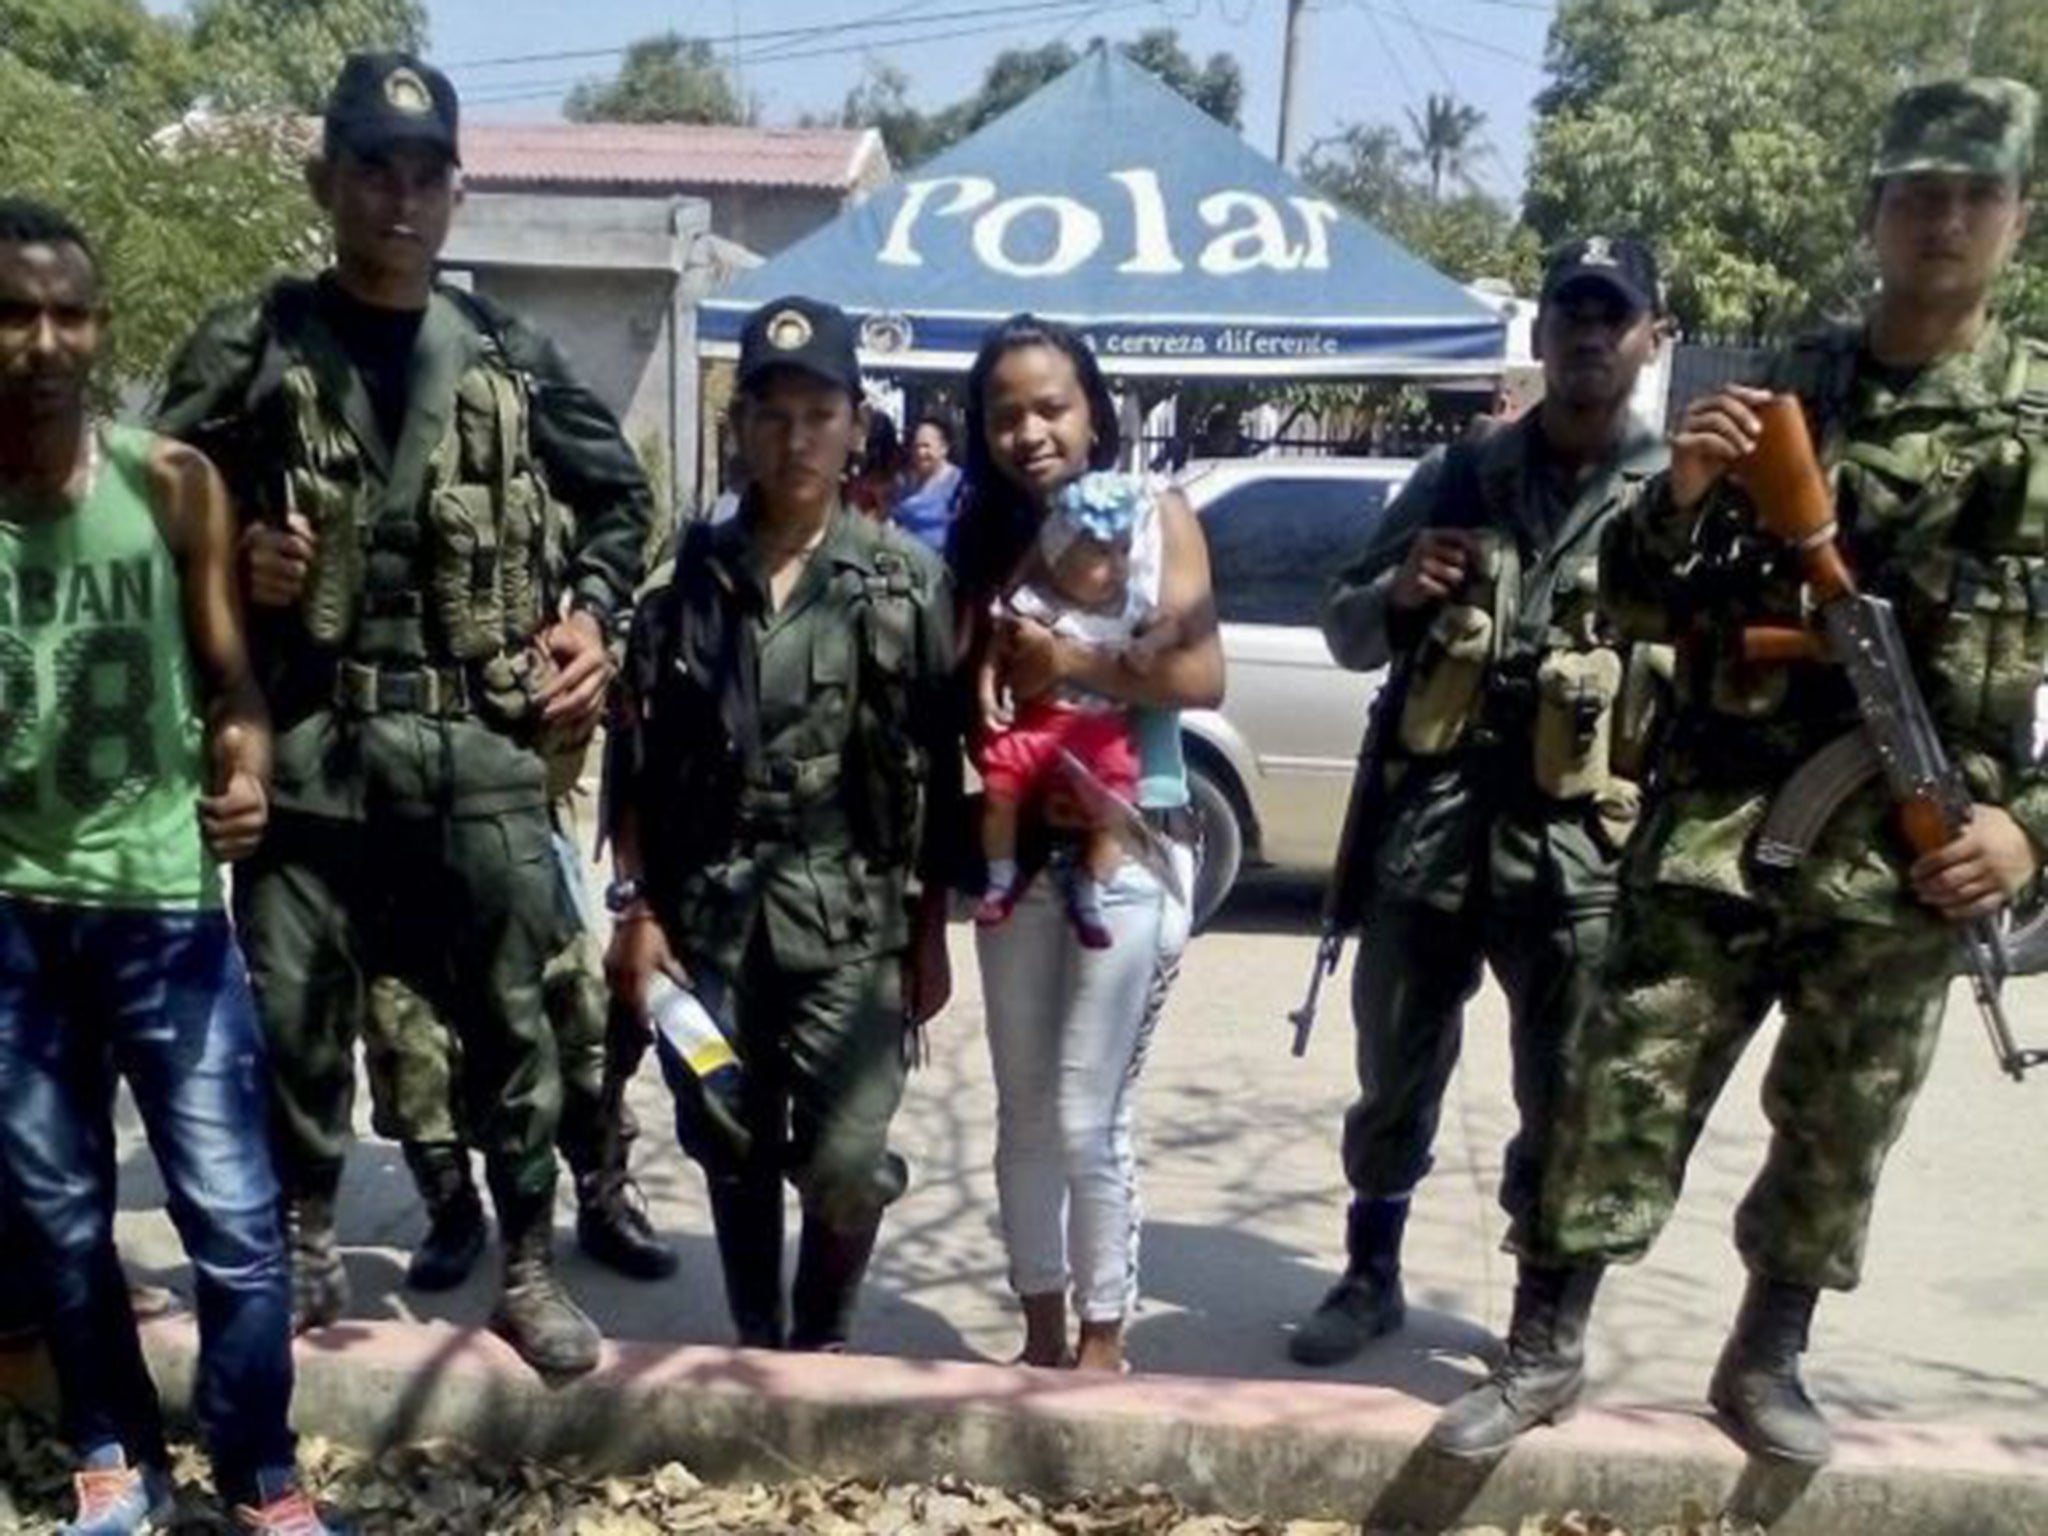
(1102, 504)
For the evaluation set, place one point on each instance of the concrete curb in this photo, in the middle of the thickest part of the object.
(1277, 1449)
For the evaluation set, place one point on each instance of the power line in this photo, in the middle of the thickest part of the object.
(538, 90)
(1480, 43)
(885, 17)
(1408, 96)
(1443, 74)
(787, 35)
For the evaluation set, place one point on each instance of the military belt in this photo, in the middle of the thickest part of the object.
(364, 688)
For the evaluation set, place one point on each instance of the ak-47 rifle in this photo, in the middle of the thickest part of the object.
(1350, 889)
(1897, 738)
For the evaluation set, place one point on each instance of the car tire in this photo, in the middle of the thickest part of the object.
(1219, 850)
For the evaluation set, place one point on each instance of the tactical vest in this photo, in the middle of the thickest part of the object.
(1575, 707)
(456, 581)
(704, 787)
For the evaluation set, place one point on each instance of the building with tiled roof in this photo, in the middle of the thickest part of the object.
(768, 187)
(607, 234)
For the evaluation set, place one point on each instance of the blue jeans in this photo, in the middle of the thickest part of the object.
(160, 999)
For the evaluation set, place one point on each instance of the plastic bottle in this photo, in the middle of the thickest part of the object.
(703, 1050)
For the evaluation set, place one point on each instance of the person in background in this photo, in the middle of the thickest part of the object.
(930, 495)
(877, 474)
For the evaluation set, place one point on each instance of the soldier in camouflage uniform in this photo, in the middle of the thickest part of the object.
(785, 704)
(1510, 772)
(462, 521)
(1933, 423)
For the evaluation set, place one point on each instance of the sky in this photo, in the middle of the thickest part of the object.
(1362, 60)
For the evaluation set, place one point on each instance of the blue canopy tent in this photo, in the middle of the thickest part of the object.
(1109, 201)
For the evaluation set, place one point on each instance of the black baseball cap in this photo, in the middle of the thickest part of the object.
(805, 334)
(383, 99)
(1620, 262)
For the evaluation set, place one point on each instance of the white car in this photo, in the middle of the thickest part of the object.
(1270, 771)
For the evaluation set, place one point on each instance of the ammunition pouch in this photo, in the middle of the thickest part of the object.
(463, 575)
(1649, 690)
(491, 522)
(1447, 690)
(1990, 633)
(323, 483)
(1575, 705)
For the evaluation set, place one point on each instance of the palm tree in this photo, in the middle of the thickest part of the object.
(1446, 134)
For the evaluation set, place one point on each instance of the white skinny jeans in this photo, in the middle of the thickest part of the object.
(1068, 1029)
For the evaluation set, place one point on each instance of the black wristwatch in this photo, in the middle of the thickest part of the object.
(623, 894)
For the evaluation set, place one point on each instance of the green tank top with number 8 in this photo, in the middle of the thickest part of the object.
(101, 743)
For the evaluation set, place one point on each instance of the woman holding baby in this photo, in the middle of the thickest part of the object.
(1087, 625)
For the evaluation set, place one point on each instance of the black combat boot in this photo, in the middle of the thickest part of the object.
(830, 1264)
(319, 1283)
(747, 1215)
(534, 1314)
(612, 1227)
(455, 1216)
(1539, 1379)
(1367, 1302)
(1756, 1388)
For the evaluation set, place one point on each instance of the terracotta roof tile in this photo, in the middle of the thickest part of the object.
(668, 154)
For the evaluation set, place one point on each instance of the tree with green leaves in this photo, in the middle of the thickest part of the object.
(1369, 169)
(1736, 136)
(1217, 86)
(1446, 136)
(112, 50)
(881, 101)
(665, 79)
(180, 224)
(268, 53)
(187, 207)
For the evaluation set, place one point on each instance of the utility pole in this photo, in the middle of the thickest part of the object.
(1290, 79)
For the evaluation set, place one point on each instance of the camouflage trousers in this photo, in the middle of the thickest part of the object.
(413, 1061)
(1689, 979)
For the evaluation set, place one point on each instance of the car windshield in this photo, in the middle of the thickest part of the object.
(1274, 543)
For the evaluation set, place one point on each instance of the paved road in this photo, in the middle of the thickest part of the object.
(1243, 1207)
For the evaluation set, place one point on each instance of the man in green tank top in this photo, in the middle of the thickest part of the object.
(134, 755)
(468, 519)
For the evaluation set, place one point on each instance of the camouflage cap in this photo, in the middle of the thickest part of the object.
(1981, 126)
